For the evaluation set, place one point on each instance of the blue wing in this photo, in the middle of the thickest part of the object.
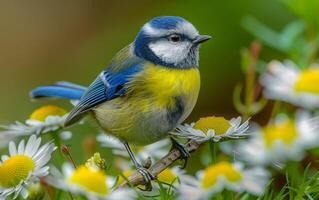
(108, 85)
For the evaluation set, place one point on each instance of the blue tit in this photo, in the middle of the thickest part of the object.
(149, 87)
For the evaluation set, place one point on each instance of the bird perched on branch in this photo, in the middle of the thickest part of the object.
(149, 88)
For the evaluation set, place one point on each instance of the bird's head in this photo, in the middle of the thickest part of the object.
(170, 41)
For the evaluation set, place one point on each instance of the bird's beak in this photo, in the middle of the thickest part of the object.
(201, 38)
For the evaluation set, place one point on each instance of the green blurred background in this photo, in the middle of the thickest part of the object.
(42, 42)
(50, 40)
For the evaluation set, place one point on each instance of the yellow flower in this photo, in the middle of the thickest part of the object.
(42, 113)
(308, 81)
(282, 131)
(219, 124)
(225, 169)
(15, 169)
(89, 179)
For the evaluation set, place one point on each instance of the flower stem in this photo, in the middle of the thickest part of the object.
(212, 146)
(56, 138)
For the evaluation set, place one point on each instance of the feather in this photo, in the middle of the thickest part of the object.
(124, 59)
(108, 85)
(70, 85)
(61, 89)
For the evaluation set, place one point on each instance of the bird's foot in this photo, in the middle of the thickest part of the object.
(148, 177)
(183, 150)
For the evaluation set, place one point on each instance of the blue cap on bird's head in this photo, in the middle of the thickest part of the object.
(169, 41)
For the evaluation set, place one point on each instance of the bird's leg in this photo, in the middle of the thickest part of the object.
(184, 152)
(148, 177)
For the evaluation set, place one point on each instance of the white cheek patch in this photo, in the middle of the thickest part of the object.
(170, 52)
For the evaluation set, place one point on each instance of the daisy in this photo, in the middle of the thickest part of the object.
(155, 151)
(223, 175)
(215, 128)
(286, 82)
(88, 181)
(43, 120)
(281, 140)
(24, 164)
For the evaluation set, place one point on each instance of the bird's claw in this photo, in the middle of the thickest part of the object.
(183, 150)
(148, 177)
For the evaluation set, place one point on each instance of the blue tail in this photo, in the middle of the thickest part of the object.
(65, 90)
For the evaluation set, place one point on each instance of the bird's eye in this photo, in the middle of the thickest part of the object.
(174, 38)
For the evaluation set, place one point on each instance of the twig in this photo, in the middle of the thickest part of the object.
(136, 179)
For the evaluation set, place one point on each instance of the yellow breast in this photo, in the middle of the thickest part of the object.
(163, 83)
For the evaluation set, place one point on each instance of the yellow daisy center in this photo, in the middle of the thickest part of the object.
(42, 113)
(14, 170)
(285, 132)
(167, 176)
(308, 81)
(90, 179)
(219, 124)
(212, 173)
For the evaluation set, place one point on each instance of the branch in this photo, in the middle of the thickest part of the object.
(136, 179)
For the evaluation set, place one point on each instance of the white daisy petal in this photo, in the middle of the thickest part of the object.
(30, 144)
(21, 147)
(12, 149)
(35, 148)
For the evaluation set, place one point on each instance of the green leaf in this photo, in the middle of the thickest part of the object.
(291, 33)
(262, 32)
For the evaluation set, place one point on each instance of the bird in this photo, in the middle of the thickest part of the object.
(149, 88)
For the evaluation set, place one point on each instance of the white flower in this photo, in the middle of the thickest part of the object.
(223, 175)
(284, 139)
(88, 181)
(43, 120)
(214, 128)
(26, 163)
(51, 123)
(155, 151)
(286, 82)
